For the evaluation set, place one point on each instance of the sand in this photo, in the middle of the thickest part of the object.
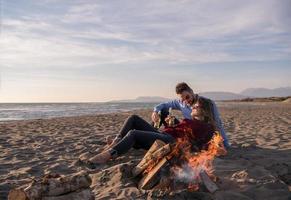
(258, 166)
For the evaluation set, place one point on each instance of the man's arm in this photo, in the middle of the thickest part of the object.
(219, 124)
(171, 104)
(164, 107)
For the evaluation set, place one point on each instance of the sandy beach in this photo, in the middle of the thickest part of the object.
(258, 165)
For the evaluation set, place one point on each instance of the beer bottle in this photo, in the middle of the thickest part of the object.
(158, 123)
(171, 117)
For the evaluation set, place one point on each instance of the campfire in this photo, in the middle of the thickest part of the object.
(179, 166)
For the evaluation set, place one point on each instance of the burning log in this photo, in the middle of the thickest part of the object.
(208, 183)
(151, 178)
(158, 150)
(156, 145)
(186, 166)
(52, 186)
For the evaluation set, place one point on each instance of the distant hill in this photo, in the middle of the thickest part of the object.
(212, 95)
(151, 99)
(265, 99)
(218, 96)
(265, 92)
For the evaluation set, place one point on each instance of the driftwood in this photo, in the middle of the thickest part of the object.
(157, 151)
(85, 194)
(208, 183)
(51, 187)
(32, 192)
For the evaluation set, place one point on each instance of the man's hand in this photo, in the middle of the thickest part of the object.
(155, 117)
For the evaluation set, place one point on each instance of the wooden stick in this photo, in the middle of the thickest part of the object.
(155, 157)
(209, 184)
(148, 156)
(155, 146)
(150, 179)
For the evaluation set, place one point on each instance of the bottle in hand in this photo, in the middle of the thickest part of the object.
(158, 122)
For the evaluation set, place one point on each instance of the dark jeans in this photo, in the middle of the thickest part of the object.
(138, 133)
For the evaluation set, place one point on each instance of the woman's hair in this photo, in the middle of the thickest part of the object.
(181, 87)
(206, 107)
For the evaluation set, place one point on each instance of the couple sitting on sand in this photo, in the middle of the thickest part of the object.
(200, 116)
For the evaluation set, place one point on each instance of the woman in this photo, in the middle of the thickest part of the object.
(137, 133)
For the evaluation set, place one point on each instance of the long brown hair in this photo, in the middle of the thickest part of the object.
(206, 106)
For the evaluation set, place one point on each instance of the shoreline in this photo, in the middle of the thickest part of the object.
(76, 116)
(220, 104)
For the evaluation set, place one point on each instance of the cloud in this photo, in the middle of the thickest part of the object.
(95, 33)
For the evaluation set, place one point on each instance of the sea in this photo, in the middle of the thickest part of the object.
(25, 111)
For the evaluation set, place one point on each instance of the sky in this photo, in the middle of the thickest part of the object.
(100, 50)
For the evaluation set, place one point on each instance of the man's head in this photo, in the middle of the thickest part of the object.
(185, 93)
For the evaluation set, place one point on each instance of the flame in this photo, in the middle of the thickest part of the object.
(195, 163)
(186, 164)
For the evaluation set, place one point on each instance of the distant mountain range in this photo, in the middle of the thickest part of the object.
(218, 96)
(264, 92)
(249, 93)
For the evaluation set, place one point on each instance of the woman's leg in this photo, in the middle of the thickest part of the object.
(131, 123)
(134, 122)
(143, 139)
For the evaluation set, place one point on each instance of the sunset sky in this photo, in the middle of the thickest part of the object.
(84, 51)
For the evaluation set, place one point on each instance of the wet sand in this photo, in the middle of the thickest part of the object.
(258, 166)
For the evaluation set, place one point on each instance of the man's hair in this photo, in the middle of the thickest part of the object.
(181, 87)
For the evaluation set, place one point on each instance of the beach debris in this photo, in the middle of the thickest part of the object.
(182, 167)
(55, 187)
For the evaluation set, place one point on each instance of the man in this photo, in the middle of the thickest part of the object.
(187, 101)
